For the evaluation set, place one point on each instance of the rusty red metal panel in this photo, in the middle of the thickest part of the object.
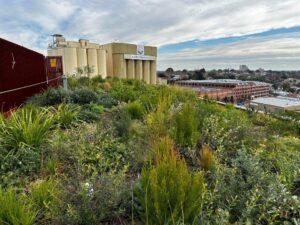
(54, 70)
(19, 67)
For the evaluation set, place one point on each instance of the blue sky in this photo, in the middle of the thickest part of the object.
(227, 40)
(190, 34)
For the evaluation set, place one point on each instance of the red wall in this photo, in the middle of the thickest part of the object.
(19, 67)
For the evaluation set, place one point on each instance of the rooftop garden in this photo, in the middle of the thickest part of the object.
(111, 151)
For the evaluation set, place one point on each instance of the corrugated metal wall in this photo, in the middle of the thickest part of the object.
(20, 67)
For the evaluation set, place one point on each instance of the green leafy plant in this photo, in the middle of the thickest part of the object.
(25, 127)
(66, 114)
(167, 192)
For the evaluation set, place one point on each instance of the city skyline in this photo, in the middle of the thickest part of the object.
(190, 34)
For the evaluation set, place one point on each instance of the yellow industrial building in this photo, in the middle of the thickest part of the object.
(115, 59)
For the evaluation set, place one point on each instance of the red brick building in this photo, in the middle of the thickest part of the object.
(223, 89)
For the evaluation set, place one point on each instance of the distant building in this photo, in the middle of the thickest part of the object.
(276, 104)
(114, 59)
(244, 68)
(228, 89)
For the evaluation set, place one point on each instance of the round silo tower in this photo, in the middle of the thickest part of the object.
(81, 58)
(92, 60)
(70, 60)
(102, 63)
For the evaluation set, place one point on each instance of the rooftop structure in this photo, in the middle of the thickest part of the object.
(276, 104)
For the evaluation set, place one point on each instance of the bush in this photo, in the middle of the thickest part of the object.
(25, 127)
(107, 100)
(186, 126)
(106, 86)
(14, 211)
(135, 110)
(66, 115)
(51, 97)
(167, 192)
(96, 201)
(83, 96)
(207, 160)
(44, 197)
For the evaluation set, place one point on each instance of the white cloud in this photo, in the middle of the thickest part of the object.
(155, 22)
(279, 52)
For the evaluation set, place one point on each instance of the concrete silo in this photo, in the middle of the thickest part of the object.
(153, 75)
(70, 60)
(146, 71)
(130, 68)
(102, 63)
(81, 58)
(92, 60)
(121, 60)
(139, 70)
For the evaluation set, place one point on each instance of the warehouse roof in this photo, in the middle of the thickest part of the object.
(279, 101)
(223, 81)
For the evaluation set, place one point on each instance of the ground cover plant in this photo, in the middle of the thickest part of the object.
(117, 151)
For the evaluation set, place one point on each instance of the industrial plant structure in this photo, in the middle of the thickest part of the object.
(234, 90)
(115, 59)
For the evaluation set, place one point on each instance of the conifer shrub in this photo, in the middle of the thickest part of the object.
(14, 211)
(186, 126)
(167, 192)
(159, 121)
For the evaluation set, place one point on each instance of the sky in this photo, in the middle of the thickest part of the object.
(189, 34)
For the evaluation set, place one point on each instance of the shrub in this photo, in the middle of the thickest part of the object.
(207, 161)
(97, 201)
(51, 97)
(186, 126)
(44, 197)
(123, 92)
(167, 192)
(83, 96)
(14, 211)
(25, 127)
(135, 110)
(88, 116)
(66, 115)
(106, 86)
(159, 121)
(122, 121)
(107, 101)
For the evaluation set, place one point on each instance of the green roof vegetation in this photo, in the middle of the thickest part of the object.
(113, 151)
